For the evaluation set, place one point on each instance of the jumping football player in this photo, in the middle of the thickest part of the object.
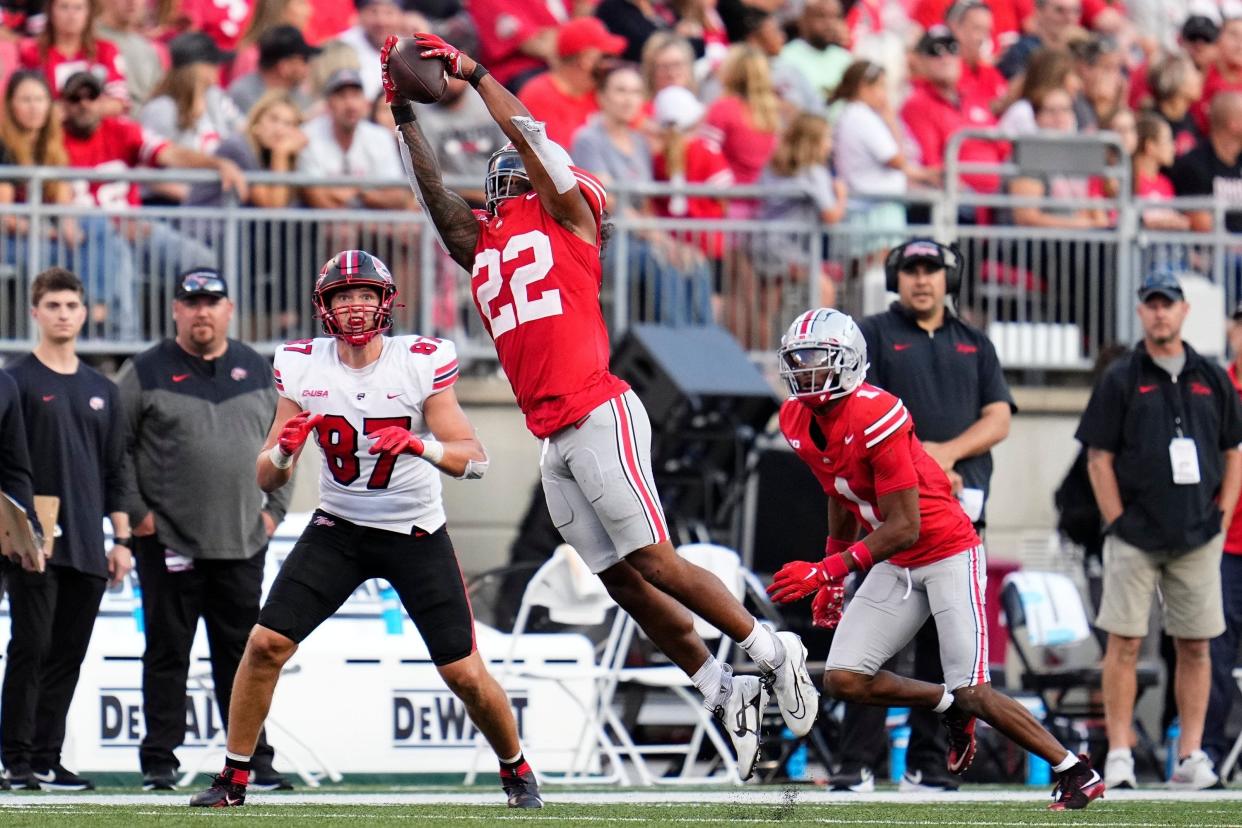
(918, 549)
(385, 415)
(534, 260)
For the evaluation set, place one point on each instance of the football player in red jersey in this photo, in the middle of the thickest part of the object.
(534, 259)
(918, 549)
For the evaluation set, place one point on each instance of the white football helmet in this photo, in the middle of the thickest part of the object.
(823, 356)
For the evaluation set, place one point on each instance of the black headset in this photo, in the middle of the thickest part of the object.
(952, 264)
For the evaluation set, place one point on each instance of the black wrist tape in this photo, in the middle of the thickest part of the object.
(477, 76)
(403, 112)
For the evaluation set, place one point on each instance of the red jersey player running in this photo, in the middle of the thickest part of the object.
(918, 549)
(534, 260)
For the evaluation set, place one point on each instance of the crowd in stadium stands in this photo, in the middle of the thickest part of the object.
(857, 101)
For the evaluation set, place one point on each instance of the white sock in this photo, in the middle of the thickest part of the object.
(763, 647)
(235, 757)
(714, 682)
(512, 761)
(1120, 752)
(945, 702)
(1068, 762)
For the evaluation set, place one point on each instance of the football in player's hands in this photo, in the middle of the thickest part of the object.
(407, 74)
(395, 440)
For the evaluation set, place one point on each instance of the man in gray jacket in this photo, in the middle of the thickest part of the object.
(199, 408)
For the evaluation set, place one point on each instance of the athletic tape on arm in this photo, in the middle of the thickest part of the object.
(418, 193)
(555, 160)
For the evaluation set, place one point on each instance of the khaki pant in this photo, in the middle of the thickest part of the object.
(1189, 587)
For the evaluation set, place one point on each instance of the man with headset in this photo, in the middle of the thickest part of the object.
(947, 374)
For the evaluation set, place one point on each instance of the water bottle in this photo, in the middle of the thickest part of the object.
(898, 745)
(139, 621)
(1171, 738)
(795, 765)
(1038, 771)
(390, 610)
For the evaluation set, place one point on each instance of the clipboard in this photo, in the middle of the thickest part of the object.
(18, 539)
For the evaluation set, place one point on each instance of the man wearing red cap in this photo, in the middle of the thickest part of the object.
(564, 96)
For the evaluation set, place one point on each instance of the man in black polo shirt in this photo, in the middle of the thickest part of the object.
(1214, 167)
(75, 429)
(199, 408)
(947, 374)
(1162, 430)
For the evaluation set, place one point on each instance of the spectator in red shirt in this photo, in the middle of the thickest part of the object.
(564, 97)
(517, 38)
(982, 84)
(69, 45)
(1153, 152)
(745, 120)
(936, 110)
(1225, 75)
(1176, 84)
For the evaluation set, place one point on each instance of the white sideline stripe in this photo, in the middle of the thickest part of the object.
(621, 796)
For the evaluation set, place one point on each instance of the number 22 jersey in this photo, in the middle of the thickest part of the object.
(374, 490)
(536, 286)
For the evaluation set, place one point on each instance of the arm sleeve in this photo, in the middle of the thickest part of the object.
(286, 372)
(820, 181)
(593, 190)
(444, 366)
(878, 139)
(1101, 423)
(928, 139)
(1188, 177)
(992, 385)
(119, 484)
(16, 479)
(893, 466)
(159, 116)
(130, 389)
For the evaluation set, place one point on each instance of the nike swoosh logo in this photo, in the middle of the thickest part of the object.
(742, 730)
(49, 397)
(394, 396)
(849, 439)
(1146, 389)
(900, 346)
(45, 777)
(814, 571)
(180, 377)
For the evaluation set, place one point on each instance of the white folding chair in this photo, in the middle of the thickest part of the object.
(572, 596)
(725, 565)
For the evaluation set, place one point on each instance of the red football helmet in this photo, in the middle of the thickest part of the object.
(350, 269)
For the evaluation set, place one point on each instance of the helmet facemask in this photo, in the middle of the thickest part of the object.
(818, 371)
(506, 178)
(355, 323)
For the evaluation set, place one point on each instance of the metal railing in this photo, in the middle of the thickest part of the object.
(1049, 298)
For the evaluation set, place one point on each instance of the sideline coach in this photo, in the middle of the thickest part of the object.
(199, 406)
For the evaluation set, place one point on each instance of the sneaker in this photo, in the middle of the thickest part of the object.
(160, 779)
(1077, 787)
(521, 786)
(918, 782)
(794, 690)
(19, 778)
(860, 781)
(1119, 771)
(961, 728)
(1194, 773)
(741, 715)
(223, 793)
(57, 778)
(269, 780)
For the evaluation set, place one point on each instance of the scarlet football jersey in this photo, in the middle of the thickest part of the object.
(851, 452)
(117, 144)
(537, 286)
(107, 65)
(375, 490)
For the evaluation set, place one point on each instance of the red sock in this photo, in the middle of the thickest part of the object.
(236, 775)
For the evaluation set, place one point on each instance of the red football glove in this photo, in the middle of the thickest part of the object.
(456, 62)
(796, 580)
(297, 429)
(391, 95)
(828, 604)
(395, 440)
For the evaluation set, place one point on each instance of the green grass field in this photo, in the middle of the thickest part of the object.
(751, 806)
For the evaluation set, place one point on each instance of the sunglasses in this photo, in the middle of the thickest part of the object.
(85, 96)
(197, 283)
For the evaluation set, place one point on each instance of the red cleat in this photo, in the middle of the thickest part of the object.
(961, 740)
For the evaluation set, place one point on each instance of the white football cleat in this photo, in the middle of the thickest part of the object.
(742, 715)
(795, 692)
(1119, 771)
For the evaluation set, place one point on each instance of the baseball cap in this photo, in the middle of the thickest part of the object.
(342, 78)
(195, 47)
(676, 106)
(921, 250)
(937, 41)
(204, 281)
(79, 81)
(584, 33)
(282, 42)
(1162, 282)
(1200, 27)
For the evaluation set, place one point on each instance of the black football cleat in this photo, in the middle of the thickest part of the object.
(1077, 787)
(223, 793)
(521, 787)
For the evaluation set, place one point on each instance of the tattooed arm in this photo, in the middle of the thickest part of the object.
(458, 228)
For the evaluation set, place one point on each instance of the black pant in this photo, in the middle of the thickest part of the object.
(1224, 658)
(225, 594)
(862, 731)
(52, 617)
